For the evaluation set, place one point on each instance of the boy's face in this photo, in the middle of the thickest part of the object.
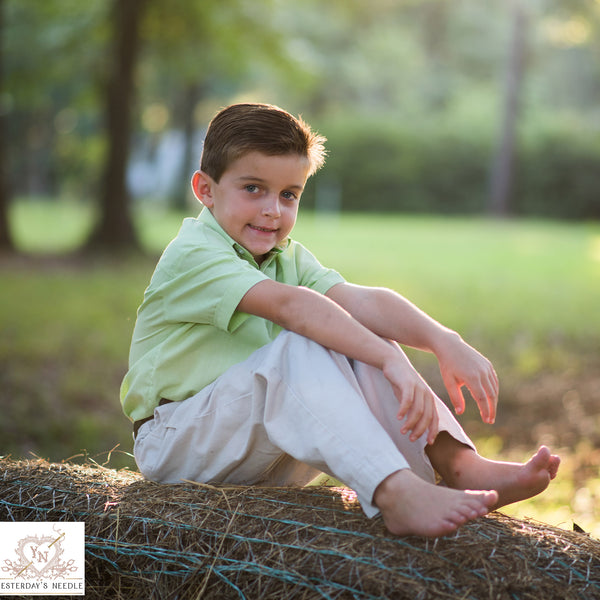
(256, 200)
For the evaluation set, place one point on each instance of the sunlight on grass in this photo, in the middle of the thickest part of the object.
(595, 249)
(42, 225)
(472, 273)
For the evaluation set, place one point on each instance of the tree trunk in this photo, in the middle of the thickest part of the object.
(190, 97)
(503, 166)
(115, 231)
(435, 43)
(6, 242)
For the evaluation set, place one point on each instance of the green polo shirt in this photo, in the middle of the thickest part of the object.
(188, 331)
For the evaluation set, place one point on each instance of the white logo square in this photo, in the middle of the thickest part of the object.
(42, 558)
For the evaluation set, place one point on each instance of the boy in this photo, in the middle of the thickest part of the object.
(252, 363)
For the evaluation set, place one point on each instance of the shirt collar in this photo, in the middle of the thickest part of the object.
(207, 218)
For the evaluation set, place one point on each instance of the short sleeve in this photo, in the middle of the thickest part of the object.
(309, 272)
(205, 283)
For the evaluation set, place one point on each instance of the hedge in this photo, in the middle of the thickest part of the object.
(384, 167)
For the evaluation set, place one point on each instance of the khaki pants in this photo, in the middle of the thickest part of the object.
(292, 410)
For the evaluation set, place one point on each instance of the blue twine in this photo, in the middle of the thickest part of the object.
(195, 559)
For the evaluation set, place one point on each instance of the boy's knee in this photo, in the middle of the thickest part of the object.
(308, 357)
(290, 340)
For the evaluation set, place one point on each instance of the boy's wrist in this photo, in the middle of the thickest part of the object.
(393, 356)
(444, 341)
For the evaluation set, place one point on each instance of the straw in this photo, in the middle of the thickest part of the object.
(189, 541)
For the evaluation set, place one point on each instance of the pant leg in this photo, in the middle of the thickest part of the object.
(292, 398)
(383, 404)
(326, 421)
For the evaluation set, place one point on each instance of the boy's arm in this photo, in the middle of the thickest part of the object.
(392, 316)
(323, 320)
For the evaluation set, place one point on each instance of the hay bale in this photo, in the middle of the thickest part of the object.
(145, 540)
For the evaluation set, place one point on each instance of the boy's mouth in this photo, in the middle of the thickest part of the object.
(264, 229)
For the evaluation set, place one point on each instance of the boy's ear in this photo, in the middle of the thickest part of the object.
(202, 188)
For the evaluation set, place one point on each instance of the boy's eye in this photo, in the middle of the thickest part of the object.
(289, 196)
(251, 188)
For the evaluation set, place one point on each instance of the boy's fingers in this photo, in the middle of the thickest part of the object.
(428, 422)
(486, 398)
(418, 430)
(484, 409)
(491, 409)
(422, 417)
(495, 384)
(404, 403)
(434, 428)
(417, 409)
(454, 392)
(493, 395)
(457, 398)
(414, 414)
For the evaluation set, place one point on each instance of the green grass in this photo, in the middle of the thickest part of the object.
(524, 292)
(471, 270)
(41, 225)
(527, 290)
(471, 273)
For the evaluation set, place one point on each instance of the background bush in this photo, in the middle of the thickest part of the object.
(559, 173)
(445, 168)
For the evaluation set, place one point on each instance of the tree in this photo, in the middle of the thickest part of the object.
(198, 51)
(435, 45)
(503, 167)
(115, 231)
(190, 96)
(6, 243)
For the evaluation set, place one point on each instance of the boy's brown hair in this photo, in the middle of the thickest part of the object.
(243, 128)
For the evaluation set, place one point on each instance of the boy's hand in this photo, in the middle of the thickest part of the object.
(416, 398)
(461, 365)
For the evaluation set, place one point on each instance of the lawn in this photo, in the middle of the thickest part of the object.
(524, 292)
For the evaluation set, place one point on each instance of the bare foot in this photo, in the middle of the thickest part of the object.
(411, 506)
(462, 468)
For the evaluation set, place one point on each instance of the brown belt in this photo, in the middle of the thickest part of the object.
(138, 424)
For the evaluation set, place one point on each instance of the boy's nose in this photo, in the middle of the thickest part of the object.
(271, 207)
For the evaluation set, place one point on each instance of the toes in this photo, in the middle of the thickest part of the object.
(485, 499)
(541, 459)
(554, 464)
(491, 498)
(478, 504)
(447, 527)
(544, 460)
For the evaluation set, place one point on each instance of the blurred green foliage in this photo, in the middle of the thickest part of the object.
(408, 93)
(443, 167)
